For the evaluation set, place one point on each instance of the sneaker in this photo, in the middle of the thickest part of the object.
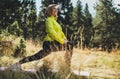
(15, 66)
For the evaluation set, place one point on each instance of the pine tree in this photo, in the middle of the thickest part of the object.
(105, 24)
(40, 26)
(32, 18)
(88, 27)
(28, 18)
(66, 17)
(78, 24)
(115, 30)
(8, 12)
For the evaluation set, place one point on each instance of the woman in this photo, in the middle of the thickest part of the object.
(55, 39)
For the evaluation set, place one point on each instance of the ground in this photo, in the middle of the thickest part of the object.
(100, 64)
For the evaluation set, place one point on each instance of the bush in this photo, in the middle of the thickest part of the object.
(10, 45)
(20, 49)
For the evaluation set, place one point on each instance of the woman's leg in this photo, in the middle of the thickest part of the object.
(42, 53)
(68, 47)
(69, 52)
(39, 55)
(48, 47)
(36, 56)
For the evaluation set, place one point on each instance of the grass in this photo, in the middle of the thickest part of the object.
(100, 64)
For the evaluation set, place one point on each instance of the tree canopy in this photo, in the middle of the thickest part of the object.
(19, 18)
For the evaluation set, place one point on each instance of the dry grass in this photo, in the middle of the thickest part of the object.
(98, 63)
(32, 47)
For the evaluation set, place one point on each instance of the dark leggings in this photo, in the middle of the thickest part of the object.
(47, 48)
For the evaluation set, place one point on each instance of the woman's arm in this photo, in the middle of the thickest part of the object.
(52, 33)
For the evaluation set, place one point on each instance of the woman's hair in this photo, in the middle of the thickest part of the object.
(48, 11)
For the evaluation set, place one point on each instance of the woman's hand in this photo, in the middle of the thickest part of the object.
(65, 42)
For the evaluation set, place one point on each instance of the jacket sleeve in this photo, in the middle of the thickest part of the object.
(63, 35)
(52, 33)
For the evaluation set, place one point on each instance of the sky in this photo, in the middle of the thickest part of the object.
(90, 3)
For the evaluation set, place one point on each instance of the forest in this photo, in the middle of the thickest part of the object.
(20, 23)
(19, 18)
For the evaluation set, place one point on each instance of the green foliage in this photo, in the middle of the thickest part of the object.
(11, 45)
(88, 28)
(20, 49)
(8, 12)
(75, 30)
(106, 25)
(15, 29)
(19, 18)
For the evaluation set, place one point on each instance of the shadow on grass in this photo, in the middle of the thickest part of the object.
(42, 73)
(8, 74)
